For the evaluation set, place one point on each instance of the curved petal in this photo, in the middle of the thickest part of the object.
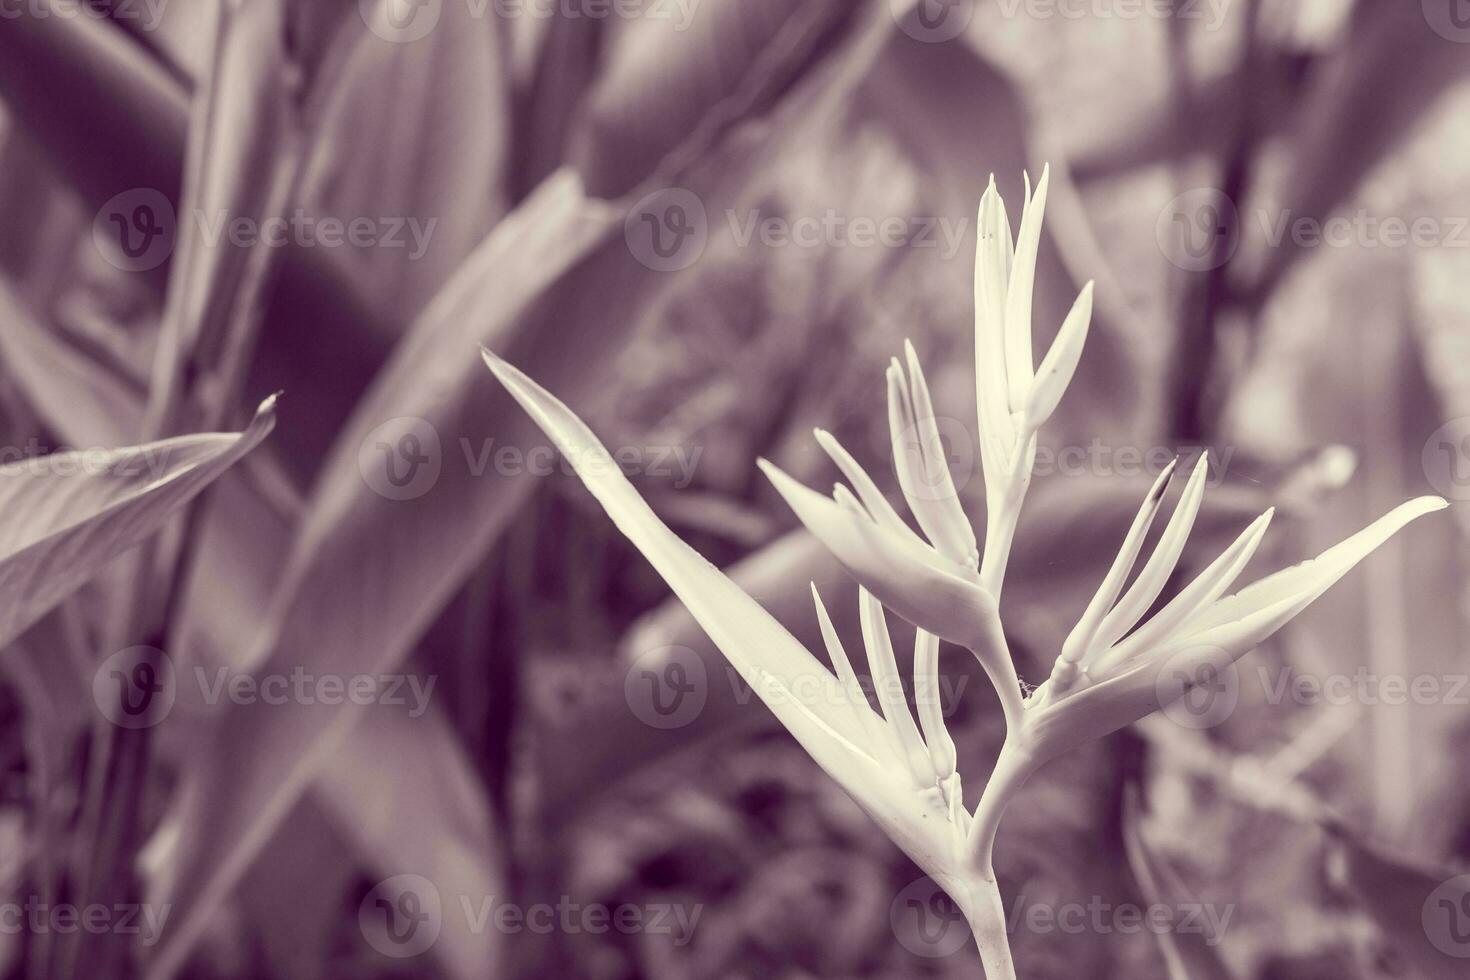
(921, 586)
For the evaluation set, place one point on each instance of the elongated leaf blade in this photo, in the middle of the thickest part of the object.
(754, 642)
(67, 514)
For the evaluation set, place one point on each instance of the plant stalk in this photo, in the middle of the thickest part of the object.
(985, 912)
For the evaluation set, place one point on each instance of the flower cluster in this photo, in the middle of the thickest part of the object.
(1112, 670)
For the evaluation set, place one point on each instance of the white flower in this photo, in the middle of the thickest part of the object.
(1110, 672)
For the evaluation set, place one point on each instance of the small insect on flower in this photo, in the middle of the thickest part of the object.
(1110, 672)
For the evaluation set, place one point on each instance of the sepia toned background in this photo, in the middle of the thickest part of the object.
(418, 710)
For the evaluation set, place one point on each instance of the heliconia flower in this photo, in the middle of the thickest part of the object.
(901, 772)
(1108, 677)
(1116, 683)
(944, 584)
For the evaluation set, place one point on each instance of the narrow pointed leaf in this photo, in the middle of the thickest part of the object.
(754, 643)
(1081, 638)
(1160, 565)
(873, 500)
(952, 535)
(1056, 370)
(1019, 366)
(1208, 586)
(1317, 575)
(992, 272)
(67, 514)
(931, 710)
(884, 668)
(875, 738)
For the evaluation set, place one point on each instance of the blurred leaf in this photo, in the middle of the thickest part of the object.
(401, 137)
(1360, 104)
(77, 84)
(67, 514)
(1189, 954)
(409, 554)
(664, 77)
(84, 402)
(244, 540)
(295, 896)
(239, 166)
(1423, 912)
(375, 560)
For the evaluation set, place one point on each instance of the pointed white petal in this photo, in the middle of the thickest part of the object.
(1208, 586)
(1019, 366)
(1060, 364)
(924, 472)
(1155, 575)
(1080, 640)
(765, 655)
(1126, 691)
(886, 681)
(873, 500)
(1317, 575)
(924, 588)
(876, 743)
(1145, 684)
(931, 708)
(993, 254)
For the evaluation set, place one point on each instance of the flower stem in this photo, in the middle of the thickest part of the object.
(1012, 769)
(987, 917)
